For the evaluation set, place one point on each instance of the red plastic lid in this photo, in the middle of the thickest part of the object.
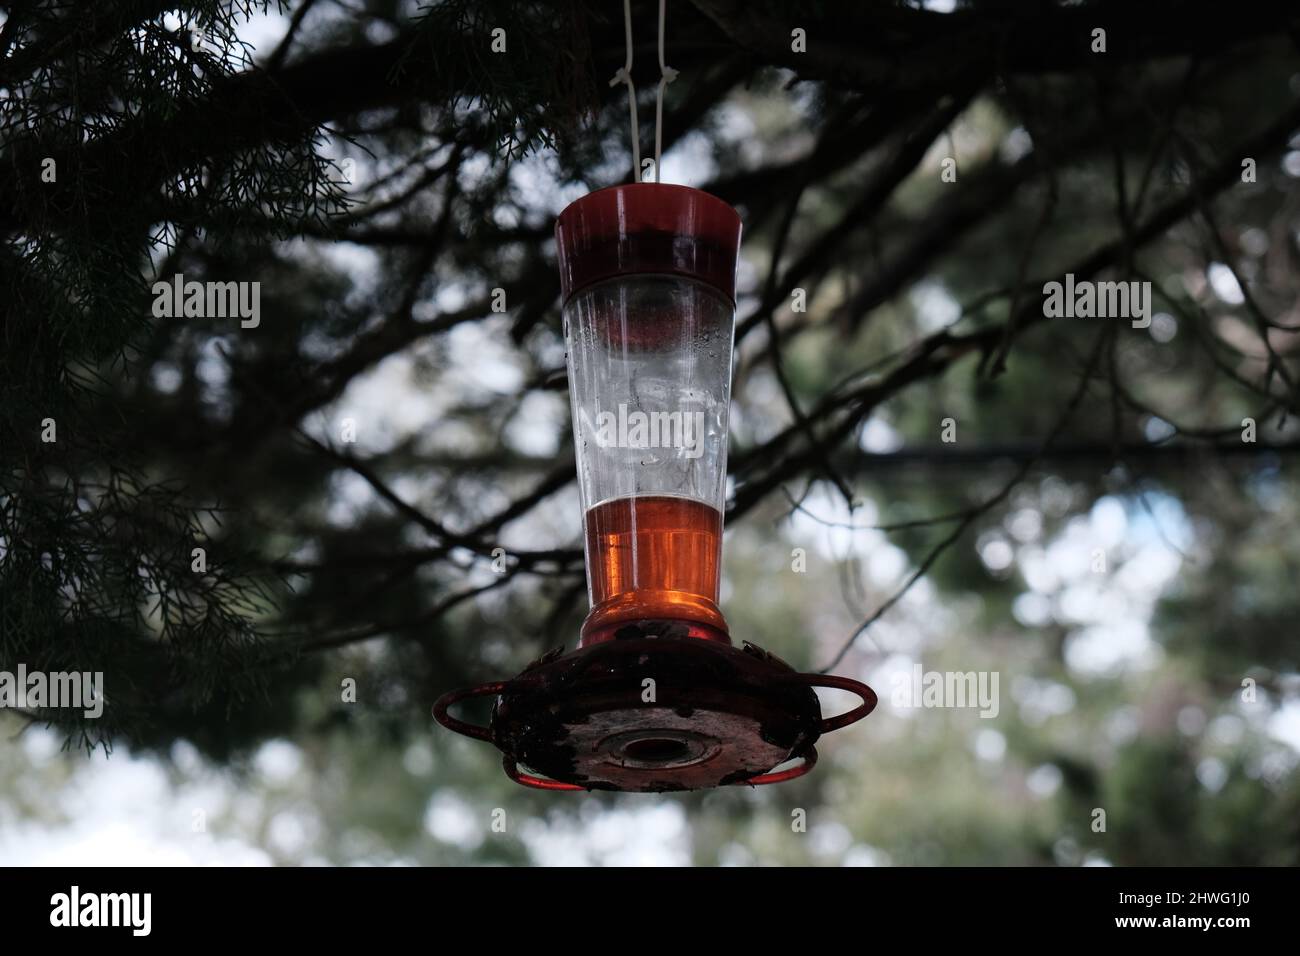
(648, 228)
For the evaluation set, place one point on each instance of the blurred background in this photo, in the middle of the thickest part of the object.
(1097, 515)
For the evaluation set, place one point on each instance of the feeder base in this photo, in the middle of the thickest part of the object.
(648, 713)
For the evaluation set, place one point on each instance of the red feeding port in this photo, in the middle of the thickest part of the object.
(655, 697)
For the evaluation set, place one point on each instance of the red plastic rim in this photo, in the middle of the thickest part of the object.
(807, 761)
(648, 228)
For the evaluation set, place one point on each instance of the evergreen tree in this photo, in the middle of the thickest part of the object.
(221, 516)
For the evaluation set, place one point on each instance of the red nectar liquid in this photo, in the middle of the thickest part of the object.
(653, 558)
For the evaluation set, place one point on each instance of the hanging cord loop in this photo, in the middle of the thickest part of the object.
(624, 75)
(666, 75)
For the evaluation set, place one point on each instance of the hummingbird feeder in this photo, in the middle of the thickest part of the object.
(655, 697)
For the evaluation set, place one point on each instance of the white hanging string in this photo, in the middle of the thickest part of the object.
(666, 75)
(625, 76)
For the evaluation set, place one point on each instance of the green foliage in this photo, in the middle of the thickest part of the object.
(95, 550)
(329, 561)
(533, 95)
